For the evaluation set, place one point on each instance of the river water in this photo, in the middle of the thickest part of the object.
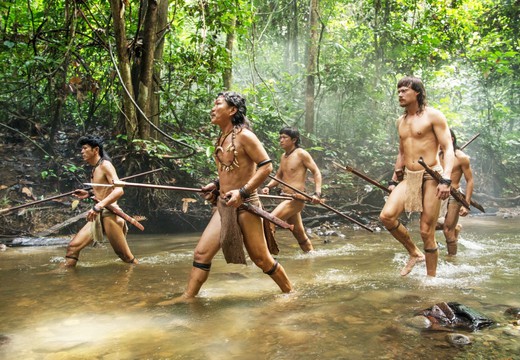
(350, 301)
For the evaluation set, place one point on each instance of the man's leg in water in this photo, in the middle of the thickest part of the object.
(389, 216)
(451, 227)
(114, 229)
(256, 247)
(429, 216)
(207, 247)
(289, 211)
(78, 242)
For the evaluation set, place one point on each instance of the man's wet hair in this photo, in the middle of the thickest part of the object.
(293, 133)
(455, 146)
(94, 141)
(236, 100)
(416, 85)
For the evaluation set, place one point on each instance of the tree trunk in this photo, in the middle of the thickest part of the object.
(311, 67)
(129, 118)
(145, 77)
(59, 80)
(295, 32)
(161, 30)
(230, 42)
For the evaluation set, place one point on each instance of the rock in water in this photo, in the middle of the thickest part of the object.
(514, 312)
(458, 339)
(454, 315)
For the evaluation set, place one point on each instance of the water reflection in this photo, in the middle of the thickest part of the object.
(350, 301)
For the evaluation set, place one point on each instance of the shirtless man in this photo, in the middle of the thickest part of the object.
(422, 131)
(451, 227)
(294, 164)
(99, 219)
(242, 165)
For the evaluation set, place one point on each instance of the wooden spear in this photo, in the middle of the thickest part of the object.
(363, 176)
(470, 141)
(2, 211)
(119, 183)
(321, 203)
(246, 206)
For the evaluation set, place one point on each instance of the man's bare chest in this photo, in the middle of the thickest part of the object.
(416, 127)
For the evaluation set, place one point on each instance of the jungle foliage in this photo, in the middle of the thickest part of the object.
(63, 64)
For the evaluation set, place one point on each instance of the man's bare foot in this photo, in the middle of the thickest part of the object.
(183, 299)
(411, 263)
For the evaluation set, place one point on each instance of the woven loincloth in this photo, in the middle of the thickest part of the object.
(414, 186)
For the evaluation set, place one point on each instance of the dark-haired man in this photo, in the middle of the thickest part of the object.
(242, 165)
(422, 131)
(100, 220)
(294, 164)
(461, 166)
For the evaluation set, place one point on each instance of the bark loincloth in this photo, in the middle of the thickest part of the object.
(414, 183)
(96, 228)
(231, 238)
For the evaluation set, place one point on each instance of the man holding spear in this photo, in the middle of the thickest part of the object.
(294, 164)
(99, 218)
(242, 165)
(422, 131)
(454, 209)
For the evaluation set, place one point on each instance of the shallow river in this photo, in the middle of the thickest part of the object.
(350, 301)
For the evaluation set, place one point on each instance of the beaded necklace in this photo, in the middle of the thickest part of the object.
(230, 148)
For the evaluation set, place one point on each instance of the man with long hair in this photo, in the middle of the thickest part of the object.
(422, 131)
(242, 165)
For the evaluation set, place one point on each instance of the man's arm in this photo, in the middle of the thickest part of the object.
(442, 133)
(399, 161)
(468, 175)
(310, 164)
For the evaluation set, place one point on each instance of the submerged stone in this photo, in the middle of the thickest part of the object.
(513, 312)
(458, 339)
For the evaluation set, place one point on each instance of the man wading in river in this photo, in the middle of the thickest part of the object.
(294, 164)
(422, 130)
(99, 219)
(450, 227)
(242, 165)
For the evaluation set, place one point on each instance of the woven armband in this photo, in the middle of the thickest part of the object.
(264, 162)
(244, 194)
